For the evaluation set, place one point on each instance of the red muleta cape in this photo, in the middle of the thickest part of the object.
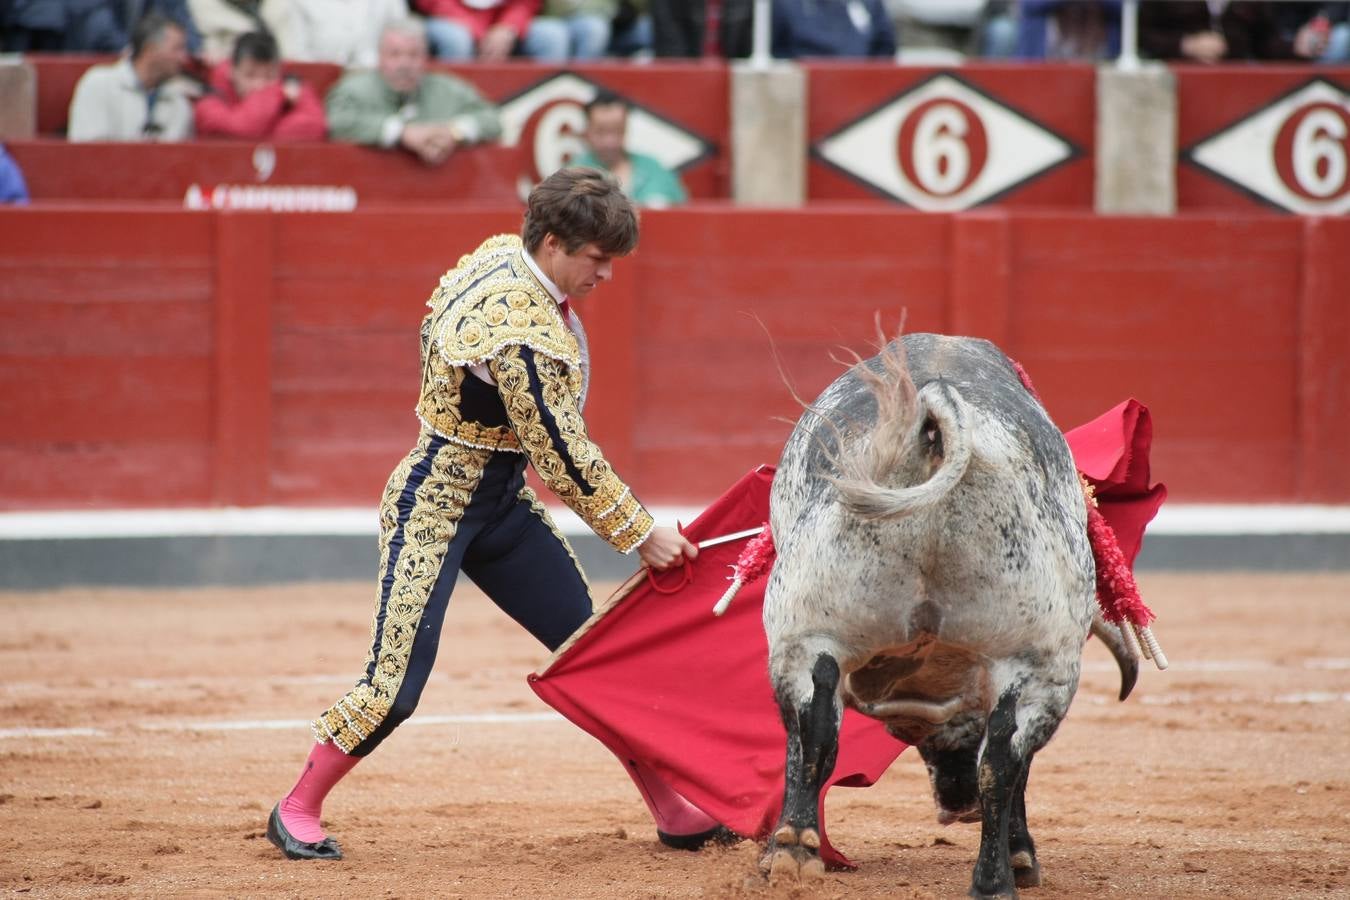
(656, 677)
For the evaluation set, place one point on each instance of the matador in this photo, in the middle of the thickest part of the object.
(504, 378)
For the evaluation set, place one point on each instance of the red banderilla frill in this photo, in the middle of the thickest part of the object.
(751, 565)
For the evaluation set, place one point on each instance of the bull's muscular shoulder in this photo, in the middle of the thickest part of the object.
(490, 301)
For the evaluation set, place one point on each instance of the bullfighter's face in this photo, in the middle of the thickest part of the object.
(576, 274)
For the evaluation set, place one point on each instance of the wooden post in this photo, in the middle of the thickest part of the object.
(241, 457)
(979, 275)
(1323, 388)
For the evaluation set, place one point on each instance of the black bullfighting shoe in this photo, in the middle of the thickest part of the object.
(718, 835)
(282, 840)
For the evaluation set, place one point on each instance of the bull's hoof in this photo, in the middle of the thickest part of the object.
(991, 892)
(793, 855)
(950, 816)
(1026, 870)
(783, 864)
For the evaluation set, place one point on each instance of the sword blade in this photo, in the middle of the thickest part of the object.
(728, 538)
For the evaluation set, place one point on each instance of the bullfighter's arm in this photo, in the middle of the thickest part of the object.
(544, 414)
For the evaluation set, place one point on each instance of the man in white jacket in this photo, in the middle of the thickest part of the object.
(139, 97)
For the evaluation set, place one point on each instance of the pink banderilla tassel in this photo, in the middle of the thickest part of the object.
(753, 562)
(1117, 591)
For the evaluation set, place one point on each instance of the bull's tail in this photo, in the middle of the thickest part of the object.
(930, 427)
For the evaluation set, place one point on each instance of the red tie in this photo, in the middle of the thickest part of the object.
(563, 308)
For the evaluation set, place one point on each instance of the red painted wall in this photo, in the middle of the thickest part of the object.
(166, 357)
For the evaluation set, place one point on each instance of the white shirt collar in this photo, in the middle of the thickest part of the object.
(553, 289)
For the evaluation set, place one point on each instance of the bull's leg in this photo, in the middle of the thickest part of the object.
(1001, 770)
(1021, 848)
(811, 712)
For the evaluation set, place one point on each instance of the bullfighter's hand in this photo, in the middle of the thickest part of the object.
(666, 547)
(1204, 46)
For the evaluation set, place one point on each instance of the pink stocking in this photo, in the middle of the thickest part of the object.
(673, 814)
(300, 809)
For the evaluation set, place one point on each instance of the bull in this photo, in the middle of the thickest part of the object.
(933, 572)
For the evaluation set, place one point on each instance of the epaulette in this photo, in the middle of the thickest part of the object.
(490, 301)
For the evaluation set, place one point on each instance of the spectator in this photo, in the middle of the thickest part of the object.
(94, 26)
(631, 29)
(223, 22)
(1218, 30)
(845, 28)
(1330, 31)
(693, 28)
(345, 32)
(33, 26)
(491, 30)
(253, 102)
(964, 27)
(580, 27)
(138, 97)
(402, 105)
(13, 189)
(1069, 29)
(644, 179)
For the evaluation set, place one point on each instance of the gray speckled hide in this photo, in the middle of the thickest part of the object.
(956, 583)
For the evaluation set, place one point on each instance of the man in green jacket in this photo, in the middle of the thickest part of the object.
(643, 178)
(400, 104)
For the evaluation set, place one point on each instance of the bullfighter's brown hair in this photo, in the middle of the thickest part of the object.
(581, 206)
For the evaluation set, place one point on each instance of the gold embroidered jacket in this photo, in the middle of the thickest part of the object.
(491, 310)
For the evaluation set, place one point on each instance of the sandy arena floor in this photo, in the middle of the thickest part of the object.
(145, 735)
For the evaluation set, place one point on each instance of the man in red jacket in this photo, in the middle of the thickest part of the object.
(253, 102)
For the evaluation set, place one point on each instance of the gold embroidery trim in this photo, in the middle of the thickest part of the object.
(438, 506)
(604, 502)
(488, 302)
(470, 434)
(492, 300)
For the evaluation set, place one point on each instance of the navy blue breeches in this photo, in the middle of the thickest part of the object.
(450, 508)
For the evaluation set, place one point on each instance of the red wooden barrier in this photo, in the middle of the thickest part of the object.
(57, 170)
(680, 110)
(168, 357)
(1264, 137)
(681, 113)
(57, 75)
(106, 358)
(945, 140)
